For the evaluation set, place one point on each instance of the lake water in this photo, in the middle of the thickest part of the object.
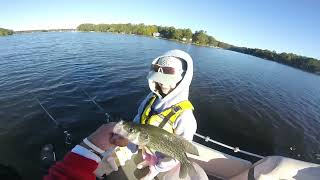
(255, 104)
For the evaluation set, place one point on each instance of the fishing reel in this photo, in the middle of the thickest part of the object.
(67, 138)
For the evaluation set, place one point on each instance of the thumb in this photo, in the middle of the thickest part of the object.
(118, 140)
(112, 162)
(143, 164)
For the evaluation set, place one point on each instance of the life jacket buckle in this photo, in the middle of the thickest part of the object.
(176, 109)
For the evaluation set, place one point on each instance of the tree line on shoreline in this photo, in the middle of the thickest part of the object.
(202, 38)
(5, 32)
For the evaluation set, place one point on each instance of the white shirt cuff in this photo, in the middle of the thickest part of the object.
(86, 153)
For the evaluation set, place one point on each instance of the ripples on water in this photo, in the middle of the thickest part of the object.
(244, 101)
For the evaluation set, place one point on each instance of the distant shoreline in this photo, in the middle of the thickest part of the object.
(5, 32)
(199, 38)
(44, 30)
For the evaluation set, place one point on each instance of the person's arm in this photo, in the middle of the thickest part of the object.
(185, 126)
(141, 108)
(81, 162)
(73, 166)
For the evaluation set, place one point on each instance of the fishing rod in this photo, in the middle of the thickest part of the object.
(108, 117)
(54, 120)
(68, 137)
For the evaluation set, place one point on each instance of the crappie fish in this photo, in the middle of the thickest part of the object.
(160, 140)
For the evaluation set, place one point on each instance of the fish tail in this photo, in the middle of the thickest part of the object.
(183, 170)
(187, 168)
(192, 170)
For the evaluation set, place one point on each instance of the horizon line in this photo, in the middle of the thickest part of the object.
(48, 29)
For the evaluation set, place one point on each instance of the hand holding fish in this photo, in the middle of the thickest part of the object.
(150, 161)
(104, 138)
(161, 141)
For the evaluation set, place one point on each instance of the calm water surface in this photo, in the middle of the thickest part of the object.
(261, 106)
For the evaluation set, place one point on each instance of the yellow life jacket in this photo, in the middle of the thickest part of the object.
(167, 117)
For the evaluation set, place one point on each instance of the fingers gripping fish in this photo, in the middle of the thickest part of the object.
(160, 140)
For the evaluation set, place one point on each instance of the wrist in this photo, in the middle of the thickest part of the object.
(92, 147)
(91, 150)
(82, 151)
(96, 142)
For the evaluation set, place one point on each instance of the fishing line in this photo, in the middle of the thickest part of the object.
(54, 120)
(92, 99)
(108, 117)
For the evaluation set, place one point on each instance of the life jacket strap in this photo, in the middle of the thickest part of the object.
(173, 111)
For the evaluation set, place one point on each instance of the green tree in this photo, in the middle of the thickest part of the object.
(5, 32)
(212, 41)
(200, 37)
(187, 33)
(86, 27)
(177, 34)
(166, 32)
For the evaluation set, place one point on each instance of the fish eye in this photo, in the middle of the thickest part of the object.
(145, 136)
(131, 130)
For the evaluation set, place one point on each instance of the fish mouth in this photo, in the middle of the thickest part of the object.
(119, 129)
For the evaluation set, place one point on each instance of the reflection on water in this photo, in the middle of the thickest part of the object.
(244, 101)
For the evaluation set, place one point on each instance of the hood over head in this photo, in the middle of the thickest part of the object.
(182, 62)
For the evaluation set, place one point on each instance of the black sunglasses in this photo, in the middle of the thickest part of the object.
(164, 70)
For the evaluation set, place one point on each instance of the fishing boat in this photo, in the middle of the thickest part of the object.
(221, 166)
(214, 164)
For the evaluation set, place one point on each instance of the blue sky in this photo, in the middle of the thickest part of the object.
(281, 25)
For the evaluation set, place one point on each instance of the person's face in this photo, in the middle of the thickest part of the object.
(166, 89)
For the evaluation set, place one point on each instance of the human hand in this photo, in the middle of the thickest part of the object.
(110, 163)
(149, 161)
(151, 174)
(104, 138)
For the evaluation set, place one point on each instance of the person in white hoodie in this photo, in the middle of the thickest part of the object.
(167, 105)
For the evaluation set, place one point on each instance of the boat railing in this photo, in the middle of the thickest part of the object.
(235, 149)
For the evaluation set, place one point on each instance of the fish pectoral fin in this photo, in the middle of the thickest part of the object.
(144, 139)
(148, 150)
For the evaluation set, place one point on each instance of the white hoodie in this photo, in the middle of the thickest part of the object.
(186, 124)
